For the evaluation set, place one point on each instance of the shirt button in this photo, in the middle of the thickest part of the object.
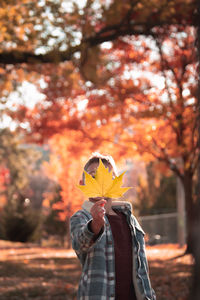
(111, 278)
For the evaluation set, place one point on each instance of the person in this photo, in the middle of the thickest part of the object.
(109, 243)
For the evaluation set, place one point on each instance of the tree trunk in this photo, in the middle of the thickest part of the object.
(190, 211)
(180, 202)
(195, 290)
(68, 233)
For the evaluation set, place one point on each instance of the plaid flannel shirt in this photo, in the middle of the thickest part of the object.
(97, 280)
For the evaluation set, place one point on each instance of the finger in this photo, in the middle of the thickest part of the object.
(107, 198)
(101, 202)
(95, 199)
(101, 214)
(99, 211)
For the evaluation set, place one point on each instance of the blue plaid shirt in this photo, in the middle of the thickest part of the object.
(97, 280)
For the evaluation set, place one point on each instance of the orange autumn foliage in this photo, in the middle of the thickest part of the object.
(65, 167)
(4, 180)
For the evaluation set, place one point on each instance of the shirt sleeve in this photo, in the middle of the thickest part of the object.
(81, 235)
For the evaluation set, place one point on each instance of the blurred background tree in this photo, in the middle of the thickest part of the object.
(53, 224)
(18, 219)
(157, 193)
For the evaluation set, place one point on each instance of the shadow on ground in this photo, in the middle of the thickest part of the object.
(36, 273)
(170, 279)
(41, 279)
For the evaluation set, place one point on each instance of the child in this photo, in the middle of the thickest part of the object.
(109, 243)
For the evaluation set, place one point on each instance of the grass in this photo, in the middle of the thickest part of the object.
(44, 273)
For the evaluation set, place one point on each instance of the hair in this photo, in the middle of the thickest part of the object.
(106, 159)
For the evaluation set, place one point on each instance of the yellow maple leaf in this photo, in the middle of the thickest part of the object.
(103, 185)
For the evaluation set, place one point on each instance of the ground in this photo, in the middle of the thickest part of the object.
(43, 273)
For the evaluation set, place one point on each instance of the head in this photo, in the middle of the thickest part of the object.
(93, 163)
